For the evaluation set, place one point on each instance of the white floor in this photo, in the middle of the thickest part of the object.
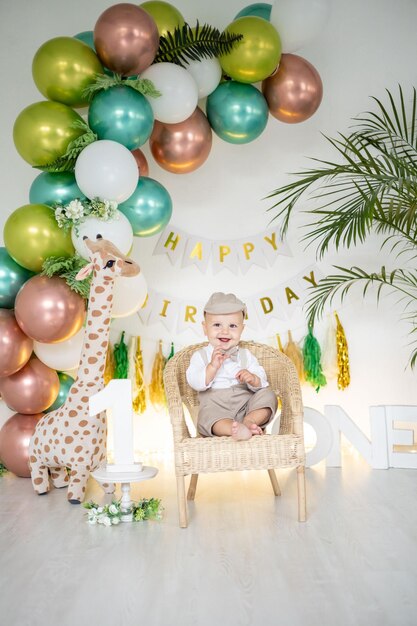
(244, 559)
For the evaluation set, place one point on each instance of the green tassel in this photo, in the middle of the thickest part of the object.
(312, 366)
(171, 354)
(121, 359)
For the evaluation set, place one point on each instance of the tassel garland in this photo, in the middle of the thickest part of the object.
(293, 352)
(343, 377)
(120, 357)
(312, 366)
(138, 382)
(156, 388)
(110, 365)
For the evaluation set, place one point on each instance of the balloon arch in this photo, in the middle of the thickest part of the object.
(136, 91)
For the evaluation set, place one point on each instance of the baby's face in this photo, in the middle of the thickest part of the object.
(223, 330)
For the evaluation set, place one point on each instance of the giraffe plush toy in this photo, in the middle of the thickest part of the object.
(69, 437)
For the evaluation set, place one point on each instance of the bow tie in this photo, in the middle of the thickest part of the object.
(232, 354)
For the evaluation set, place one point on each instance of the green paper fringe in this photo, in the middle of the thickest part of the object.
(172, 352)
(311, 357)
(121, 359)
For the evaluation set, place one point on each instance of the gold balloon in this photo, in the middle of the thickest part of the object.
(294, 92)
(63, 67)
(43, 130)
(255, 56)
(167, 17)
(31, 235)
(183, 147)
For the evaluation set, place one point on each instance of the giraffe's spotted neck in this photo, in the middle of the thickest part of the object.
(93, 354)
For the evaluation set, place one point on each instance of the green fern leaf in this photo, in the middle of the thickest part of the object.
(194, 44)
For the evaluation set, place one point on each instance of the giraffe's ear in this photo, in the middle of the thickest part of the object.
(84, 272)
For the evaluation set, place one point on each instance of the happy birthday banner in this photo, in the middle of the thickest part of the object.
(228, 253)
(279, 302)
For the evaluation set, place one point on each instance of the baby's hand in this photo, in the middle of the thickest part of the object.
(218, 358)
(244, 376)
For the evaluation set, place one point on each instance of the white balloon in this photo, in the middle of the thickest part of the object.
(298, 21)
(107, 170)
(207, 74)
(179, 92)
(129, 294)
(62, 356)
(119, 231)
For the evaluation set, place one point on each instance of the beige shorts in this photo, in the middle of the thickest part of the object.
(233, 403)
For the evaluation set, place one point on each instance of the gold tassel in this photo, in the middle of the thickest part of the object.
(138, 383)
(343, 377)
(293, 352)
(110, 366)
(156, 388)
(280, 348)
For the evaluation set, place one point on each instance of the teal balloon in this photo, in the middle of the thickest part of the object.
(54, 187)
(87, 36)
(259, 9)
(149, 209)
(12, 277)
(121, 114)
(65, 383)
(237, 112)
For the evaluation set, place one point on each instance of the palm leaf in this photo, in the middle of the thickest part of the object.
(399, 281)
(187, 44)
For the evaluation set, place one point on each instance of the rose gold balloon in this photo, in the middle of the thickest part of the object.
(32, 389)
(126, 39)
(15, 346)
(141, 161)
(183, 147)
(295, 91)
(48, 310)
(14, 442)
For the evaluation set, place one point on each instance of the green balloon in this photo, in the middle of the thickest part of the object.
(86, 36)
(12, 277)
(31, 235)
(257, 55)
(54, 187)
(65, 384)
(149, 208)
(259, 9)
(237, 113)
(166, 16)
(43, 130)
(63, 67)
(121, 114)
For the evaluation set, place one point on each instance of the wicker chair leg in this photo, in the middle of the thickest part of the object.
(182, 504)
(301, 485)
(274, 482)
(192, 487)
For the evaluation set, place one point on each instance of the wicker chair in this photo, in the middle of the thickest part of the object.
(220, 454)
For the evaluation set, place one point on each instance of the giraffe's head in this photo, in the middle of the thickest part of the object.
(108, 260)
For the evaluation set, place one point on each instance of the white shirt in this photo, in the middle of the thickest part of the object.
(226, 374)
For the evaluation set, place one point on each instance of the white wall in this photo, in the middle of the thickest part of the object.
(366, 47)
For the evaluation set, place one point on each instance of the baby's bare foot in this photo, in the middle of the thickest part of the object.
(255, 429)
(240, 432)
